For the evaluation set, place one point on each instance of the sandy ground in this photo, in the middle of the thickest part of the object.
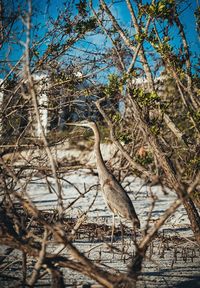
(173, 258)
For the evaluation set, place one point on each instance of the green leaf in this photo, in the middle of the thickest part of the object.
(161, 7)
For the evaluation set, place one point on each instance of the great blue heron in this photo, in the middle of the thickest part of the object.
(114, 194)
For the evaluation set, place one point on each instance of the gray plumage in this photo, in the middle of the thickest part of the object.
(114, 194)
(118, 200)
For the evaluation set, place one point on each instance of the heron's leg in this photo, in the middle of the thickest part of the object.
(134, 233)
(113, 228)
(122, 232)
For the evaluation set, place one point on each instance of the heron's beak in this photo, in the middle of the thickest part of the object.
(74, 124)
(70, 124)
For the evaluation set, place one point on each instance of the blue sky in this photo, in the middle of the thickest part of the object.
(188, 21)
(51, 8)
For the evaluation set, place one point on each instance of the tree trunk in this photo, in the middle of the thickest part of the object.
(169, 170)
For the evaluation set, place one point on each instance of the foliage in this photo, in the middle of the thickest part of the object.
(197, 15)
(149, 99)
(159, 10)
(145, 160)
(113, 87)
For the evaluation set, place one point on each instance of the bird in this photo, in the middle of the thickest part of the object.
(115, 197)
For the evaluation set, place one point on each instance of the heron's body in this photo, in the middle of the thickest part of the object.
(114, 194)
(118, 201)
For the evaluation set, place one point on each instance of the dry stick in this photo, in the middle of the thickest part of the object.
(81, 195)
(33, 250)
(105, 278)
(108, 34)
(92, 269)
(41, 61)
(35, 105)
(139, 45)
(143, 245)
(141, 51)
(83, 216)
(10, 72)
(57, 279)
(185, 102)
(130, 68)
(83, 264)
(41, 169)
(167, 119)
(175, 130)
(38, 265)
(129, 43)
(87, 267)
(184, 99)
(6, 253)
(84, 76)
(168, 169)
(13, 69)
(64, 49)
(179, 85)
(194, 101)
(24, 257)
(95, 72)
(78, 224)
(12, 174)
(150, 212)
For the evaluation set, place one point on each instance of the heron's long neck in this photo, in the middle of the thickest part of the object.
(99, 159)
